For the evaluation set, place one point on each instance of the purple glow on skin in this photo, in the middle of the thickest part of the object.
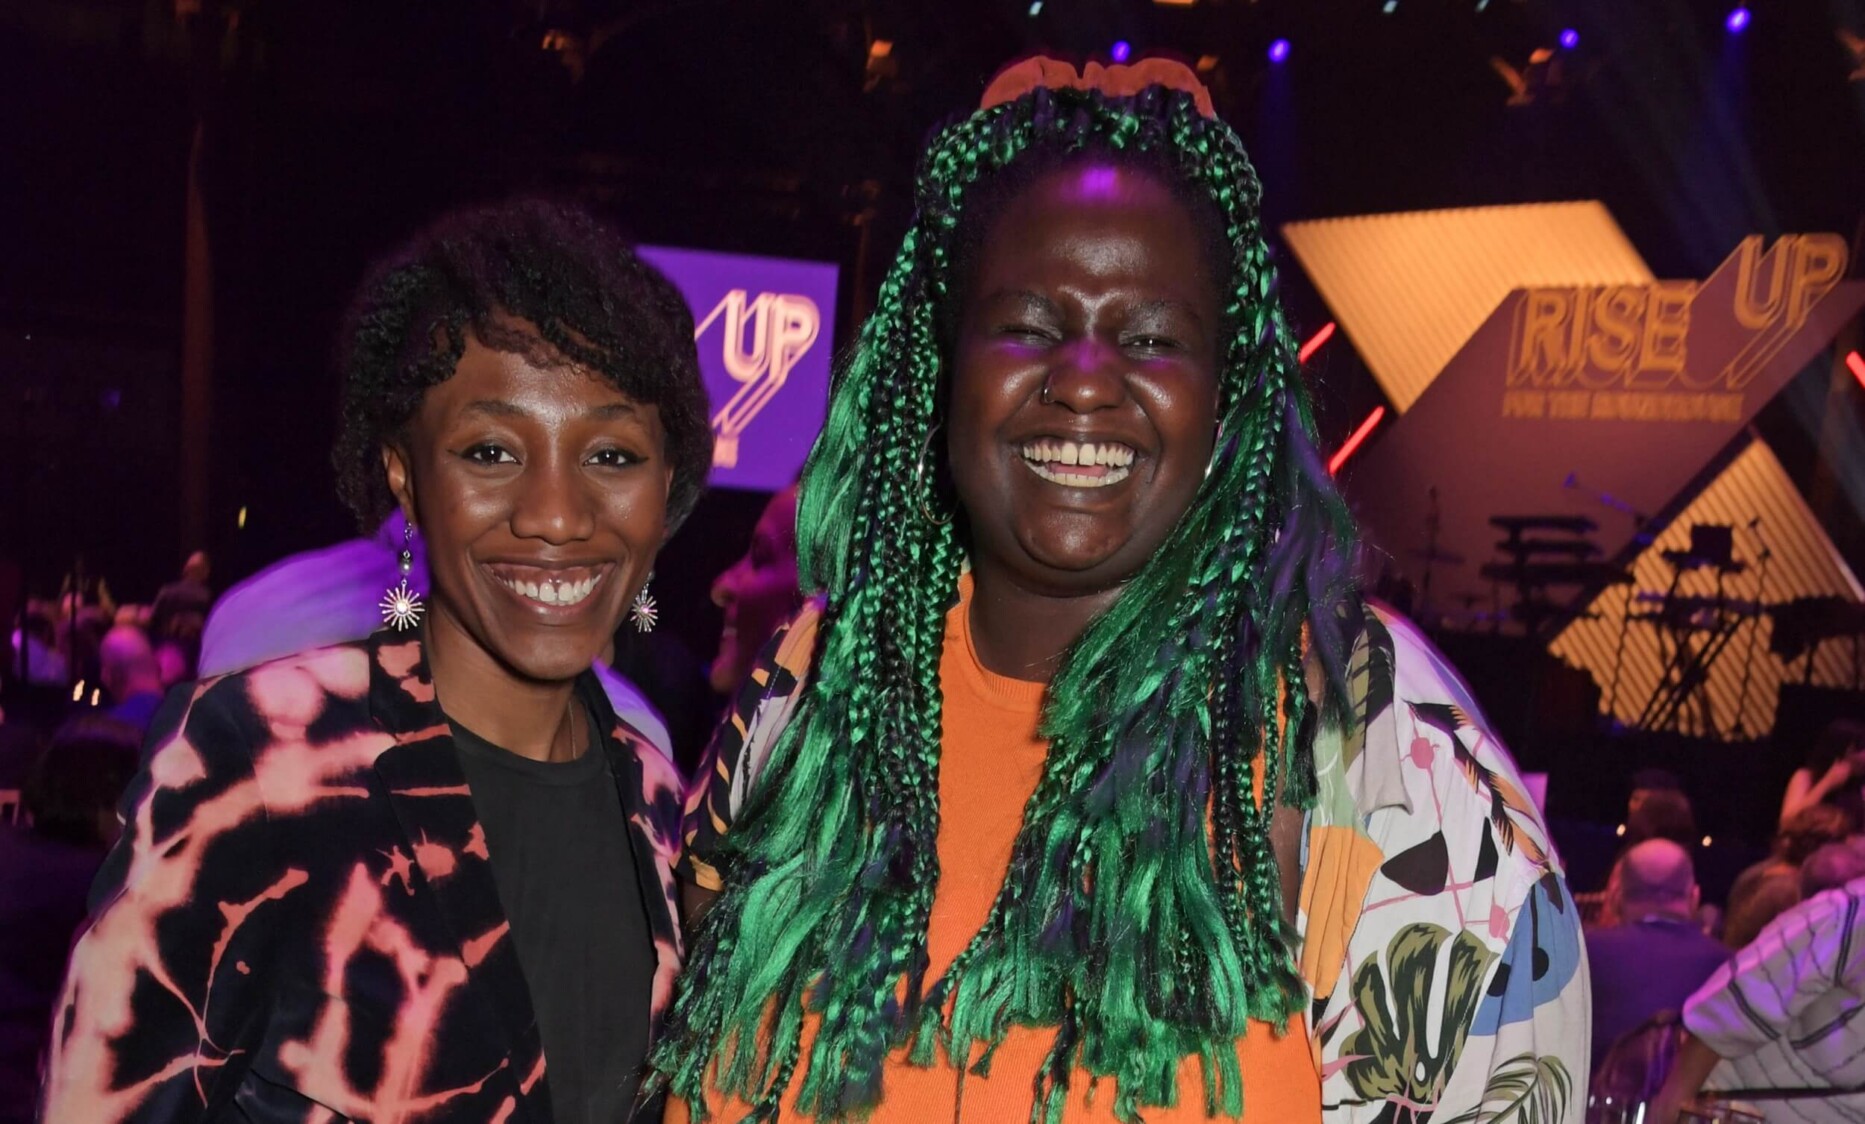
(1279, 51)
(1738, 20)
(1098, 182)
(1121, 50)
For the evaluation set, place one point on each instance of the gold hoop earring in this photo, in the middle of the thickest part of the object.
(920, 491)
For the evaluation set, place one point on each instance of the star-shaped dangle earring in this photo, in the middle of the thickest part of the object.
(644, 612)
(401, 605)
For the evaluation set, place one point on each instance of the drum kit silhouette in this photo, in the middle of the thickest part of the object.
(1552, 566)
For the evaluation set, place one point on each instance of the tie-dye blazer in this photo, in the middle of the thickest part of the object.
(1440, 946)
(300, 922)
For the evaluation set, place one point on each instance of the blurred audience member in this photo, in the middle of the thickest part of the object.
(45, 874)
(1762, 891)
(36, 654)
(131, 677)
(309, 600)
(1783, 1016)
(1658, 809)
(1829, 868)
(188, 597)
(758, 593)
(1834, 773)
(1656, 955)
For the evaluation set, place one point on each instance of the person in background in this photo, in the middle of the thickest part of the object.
(1659, 809)
(1834, 773)
(1765, 889)
(1784, 1017)
(45, 872)
(428, 874)
(328, 596)
(1830, 867)
(37, 657)
(190, 595)
(758, 593)
(1656, 955)
(127, 668)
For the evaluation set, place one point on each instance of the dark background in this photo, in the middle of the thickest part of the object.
(330, 130)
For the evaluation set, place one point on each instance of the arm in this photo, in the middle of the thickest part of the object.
(1688, 1073)
(737, 752)
(1752, 1000)
(166, 989)
(1804, 792)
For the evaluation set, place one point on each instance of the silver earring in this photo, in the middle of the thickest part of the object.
(401, 605)
(644, 612)
(919, 482)
(1217, 447)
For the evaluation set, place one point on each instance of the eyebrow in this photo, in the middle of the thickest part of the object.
(1030, 297)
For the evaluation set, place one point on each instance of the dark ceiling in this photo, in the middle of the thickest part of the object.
(330, 129)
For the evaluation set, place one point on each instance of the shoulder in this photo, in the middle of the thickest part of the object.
(243, 708)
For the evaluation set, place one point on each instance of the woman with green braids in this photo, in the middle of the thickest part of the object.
(1088, 788)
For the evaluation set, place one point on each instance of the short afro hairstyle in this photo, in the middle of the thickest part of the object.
(551, 265)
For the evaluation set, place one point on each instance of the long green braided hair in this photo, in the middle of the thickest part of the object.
(1141, 916)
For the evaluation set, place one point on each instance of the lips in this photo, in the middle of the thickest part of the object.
(1079, 464)
(551, 586)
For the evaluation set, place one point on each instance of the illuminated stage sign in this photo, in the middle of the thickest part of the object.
(764, 327)
(1599, 401)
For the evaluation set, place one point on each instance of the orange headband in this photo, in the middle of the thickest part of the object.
(1120, 80)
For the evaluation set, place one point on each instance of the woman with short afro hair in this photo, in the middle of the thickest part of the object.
(429, 874)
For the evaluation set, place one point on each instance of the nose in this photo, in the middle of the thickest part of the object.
(1087, 375)
(554, 504)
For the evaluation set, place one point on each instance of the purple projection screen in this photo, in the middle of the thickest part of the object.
(765, 329)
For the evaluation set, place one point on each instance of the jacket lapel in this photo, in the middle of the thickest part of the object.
(653, 800)
(447, 844)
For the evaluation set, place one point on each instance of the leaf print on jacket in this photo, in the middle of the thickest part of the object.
(1392, 1051)
(1527, 1090)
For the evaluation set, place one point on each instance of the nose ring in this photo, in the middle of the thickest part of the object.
(1045, 398)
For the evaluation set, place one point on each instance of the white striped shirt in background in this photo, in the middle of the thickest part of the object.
(1788, 1012)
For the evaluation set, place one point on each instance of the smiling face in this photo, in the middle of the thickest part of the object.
(542, 496)
(1085, 379)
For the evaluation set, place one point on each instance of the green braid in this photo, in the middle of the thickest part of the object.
(1113, 925)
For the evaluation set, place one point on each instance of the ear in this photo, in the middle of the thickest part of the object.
(666, 492)
(400, 478)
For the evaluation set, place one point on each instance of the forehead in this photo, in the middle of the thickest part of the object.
(537, 385)
(1098, 219)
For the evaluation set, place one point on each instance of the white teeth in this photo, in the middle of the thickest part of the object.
(553, 592)
(1110, 454)
(1076, 479)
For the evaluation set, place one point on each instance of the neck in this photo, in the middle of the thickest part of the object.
(526, 717)
(1023, 634)
(1646, 911)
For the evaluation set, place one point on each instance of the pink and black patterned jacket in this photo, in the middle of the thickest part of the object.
(300, 922)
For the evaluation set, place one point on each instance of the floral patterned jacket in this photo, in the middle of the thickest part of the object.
(300, 921)
(1441, 947)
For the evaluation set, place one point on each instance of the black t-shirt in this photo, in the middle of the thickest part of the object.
(564, 865)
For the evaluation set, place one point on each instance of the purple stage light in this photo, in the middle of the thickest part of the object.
(1279, 51)
(1570, 39)
(1738, 20)
(1121, 50)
